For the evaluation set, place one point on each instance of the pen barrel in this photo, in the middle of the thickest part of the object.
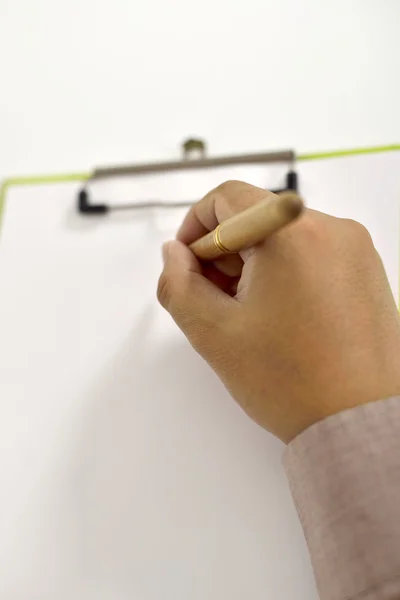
(249, 227)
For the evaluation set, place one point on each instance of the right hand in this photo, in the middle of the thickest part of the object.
(312, 328)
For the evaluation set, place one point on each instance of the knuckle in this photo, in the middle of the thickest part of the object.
(238, 195)
(358, 235)
(353, 233)
(357, 229)
(228, 187)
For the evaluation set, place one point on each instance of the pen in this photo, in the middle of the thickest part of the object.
(249, 227)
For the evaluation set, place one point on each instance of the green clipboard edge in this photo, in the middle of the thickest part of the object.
(35, 180)
(68, 177)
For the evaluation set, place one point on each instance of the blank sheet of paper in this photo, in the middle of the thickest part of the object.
(127, 471)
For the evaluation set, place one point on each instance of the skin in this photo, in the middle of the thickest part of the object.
(298, 328)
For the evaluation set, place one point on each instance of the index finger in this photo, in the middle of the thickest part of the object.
(220, 204)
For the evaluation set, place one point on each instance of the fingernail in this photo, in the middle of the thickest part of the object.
(165, 252)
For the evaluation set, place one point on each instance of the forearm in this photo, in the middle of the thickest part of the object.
(344, 473)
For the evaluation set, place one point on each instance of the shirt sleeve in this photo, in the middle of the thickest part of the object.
(344, 475)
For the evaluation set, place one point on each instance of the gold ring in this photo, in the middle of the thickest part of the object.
(217, 241)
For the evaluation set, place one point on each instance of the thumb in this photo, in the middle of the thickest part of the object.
(195, 304)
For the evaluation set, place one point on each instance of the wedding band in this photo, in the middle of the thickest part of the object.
(217, 241)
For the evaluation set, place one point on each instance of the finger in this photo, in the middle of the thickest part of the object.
(196, 305)
(231, 264)
(226, 283)
(218, 205)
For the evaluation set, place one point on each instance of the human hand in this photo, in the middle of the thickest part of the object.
(298, 328)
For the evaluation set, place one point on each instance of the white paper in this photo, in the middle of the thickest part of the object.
(127, 471)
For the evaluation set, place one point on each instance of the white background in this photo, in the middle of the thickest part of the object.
(127, 472)
(84, 82)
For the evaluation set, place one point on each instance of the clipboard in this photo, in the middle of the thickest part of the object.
(129, 459)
